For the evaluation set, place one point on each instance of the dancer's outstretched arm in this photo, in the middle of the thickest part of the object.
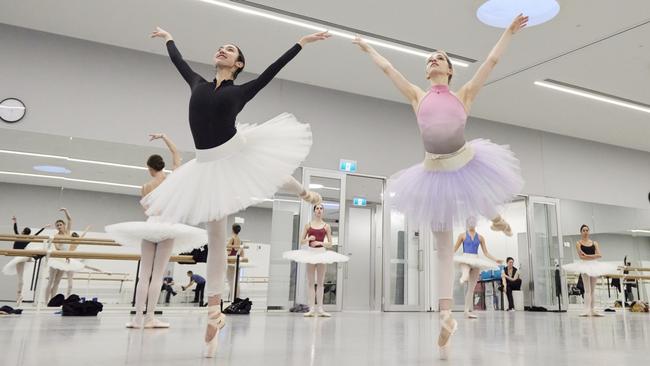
(183, 68)
(469, 91)
(176, 156)
(412, 92)
(252, 87)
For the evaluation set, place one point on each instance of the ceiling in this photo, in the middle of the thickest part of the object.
(596, 44)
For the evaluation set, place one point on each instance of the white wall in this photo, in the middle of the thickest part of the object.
(83, 89)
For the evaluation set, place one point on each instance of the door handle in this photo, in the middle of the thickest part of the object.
(420, 264)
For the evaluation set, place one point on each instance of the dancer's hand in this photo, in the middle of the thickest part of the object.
(518, 23)
(159, 32)
(155, 136)
(47, 226)
(311, 238)
(363, 45)
(13, 219)
(63, 209)
(314, 37)
(499, 261)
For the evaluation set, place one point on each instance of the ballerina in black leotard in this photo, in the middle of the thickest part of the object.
(235, 166)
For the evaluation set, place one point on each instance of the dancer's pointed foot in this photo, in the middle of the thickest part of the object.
(216, 322)
(448, 326)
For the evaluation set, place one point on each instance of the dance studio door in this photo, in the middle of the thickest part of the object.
(547, 286)
(364, 215)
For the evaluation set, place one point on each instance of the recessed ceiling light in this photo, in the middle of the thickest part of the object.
(594, 95)
(71, 179)
(500, 13)
(52, 169)
(320, 28)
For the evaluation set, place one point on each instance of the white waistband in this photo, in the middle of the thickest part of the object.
(228, 148)
(449, 162)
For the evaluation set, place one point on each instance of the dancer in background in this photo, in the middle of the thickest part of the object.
(590, 268)
(236, 165)
(471, 264)
(157, 240)
(317, 235)
(16, 266)
(457, 179)
(60, 266)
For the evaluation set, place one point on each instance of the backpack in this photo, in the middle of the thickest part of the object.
(239, 306)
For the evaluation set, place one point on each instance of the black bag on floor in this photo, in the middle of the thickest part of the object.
(56, 301)
(239, 306)
(200, 255)
(87, 308)
(72, 298)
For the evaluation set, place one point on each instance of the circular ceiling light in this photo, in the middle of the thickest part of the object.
(52, 169)
(500, 13)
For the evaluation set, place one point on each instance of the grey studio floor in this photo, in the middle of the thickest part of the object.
(348, 338)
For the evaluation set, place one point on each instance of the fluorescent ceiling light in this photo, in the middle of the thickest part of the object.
(52, 169)
(315, 186)
(10, 107)
(590, 94)
(640, 231)
(70, 179)
(93, 162)
(500, 13)
(320, 28)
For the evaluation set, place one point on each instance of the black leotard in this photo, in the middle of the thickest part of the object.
(213, 110)
(22, 244)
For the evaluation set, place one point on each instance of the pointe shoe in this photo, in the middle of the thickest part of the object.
(501, 225)
(19, 300)
(216, 320)
(152, 323)
(584, 315)
(448, 327)
(321, 313)
(311, 197)
(596, 314)
(135, 323)
(470, 315)
(310, 314)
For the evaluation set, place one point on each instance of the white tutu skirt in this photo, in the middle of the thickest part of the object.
(66, 265)
(591, 268)
(132, 234)
(474, 261)
(10, 268)
(223, 180)
(314, 256)
(474, 187)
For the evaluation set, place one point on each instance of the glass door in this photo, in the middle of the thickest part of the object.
(547, 283)
(404, 264)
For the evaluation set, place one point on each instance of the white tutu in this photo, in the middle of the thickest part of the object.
(474, 261)
(132, 233)
(248, 168)
(314, 256)
(593, 268)
(66, 265)
(10, 268)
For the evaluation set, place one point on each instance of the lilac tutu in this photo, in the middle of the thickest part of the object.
(443, 198)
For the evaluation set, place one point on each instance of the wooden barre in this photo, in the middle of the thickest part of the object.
(102, 279)
(638, 269)
(232, 260)
(58, 240)
(630, 277)
(86, 255)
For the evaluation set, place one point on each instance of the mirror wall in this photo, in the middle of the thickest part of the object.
(99, 183)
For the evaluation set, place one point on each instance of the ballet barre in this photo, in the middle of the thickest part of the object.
(58, 240)
(86, 255)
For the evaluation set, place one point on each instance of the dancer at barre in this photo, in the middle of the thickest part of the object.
(16, 266)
